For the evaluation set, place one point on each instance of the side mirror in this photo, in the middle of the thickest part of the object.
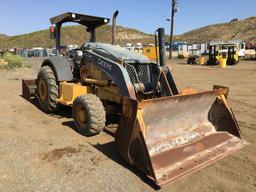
(52, 32)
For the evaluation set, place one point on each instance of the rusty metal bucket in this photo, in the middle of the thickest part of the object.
(169, 137)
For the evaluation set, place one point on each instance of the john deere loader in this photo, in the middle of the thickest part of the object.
(164, 133)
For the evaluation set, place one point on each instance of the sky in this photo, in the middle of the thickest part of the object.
(25, 16)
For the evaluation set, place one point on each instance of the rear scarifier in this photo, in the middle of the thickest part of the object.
(93, 112)
(46, 77)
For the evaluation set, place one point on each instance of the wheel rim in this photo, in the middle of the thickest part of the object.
(82, 116)
(42, 89)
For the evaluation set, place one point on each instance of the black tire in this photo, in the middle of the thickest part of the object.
(92, 119)
(47, 90)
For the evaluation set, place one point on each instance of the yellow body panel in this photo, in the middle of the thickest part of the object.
(70, 91)
(150, 52)
(201, 60)
(236, 56)
(222, 62)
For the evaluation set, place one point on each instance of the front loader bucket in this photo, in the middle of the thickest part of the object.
(169, 137)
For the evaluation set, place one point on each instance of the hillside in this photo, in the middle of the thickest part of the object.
(235, 30)
(74, 35)
(244, 30)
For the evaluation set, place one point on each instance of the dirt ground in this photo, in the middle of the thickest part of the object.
(40, 152)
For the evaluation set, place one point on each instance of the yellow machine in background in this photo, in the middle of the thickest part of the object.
(232, 54)
(223, 54)
(151, 52)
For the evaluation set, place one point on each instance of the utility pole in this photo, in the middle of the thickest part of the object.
(174, 10)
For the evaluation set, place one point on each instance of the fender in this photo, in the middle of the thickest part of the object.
(114, 70)
(61, 67)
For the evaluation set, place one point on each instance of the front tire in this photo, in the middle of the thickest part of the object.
(89, 115)
(47, 90)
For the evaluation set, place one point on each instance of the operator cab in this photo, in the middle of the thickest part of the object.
(90, 22)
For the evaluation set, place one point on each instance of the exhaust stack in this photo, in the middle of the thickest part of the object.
(114, 27)
(161, 42)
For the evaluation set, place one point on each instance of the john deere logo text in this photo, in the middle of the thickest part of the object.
(104, 64)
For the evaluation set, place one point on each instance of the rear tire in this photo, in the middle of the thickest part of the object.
(89, 115)
(47, 90)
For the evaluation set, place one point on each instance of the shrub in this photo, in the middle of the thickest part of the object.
(14, 61)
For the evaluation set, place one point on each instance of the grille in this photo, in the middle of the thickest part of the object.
(143, 71)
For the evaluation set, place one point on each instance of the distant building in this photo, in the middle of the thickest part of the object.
(192, 49)
(129, 47)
